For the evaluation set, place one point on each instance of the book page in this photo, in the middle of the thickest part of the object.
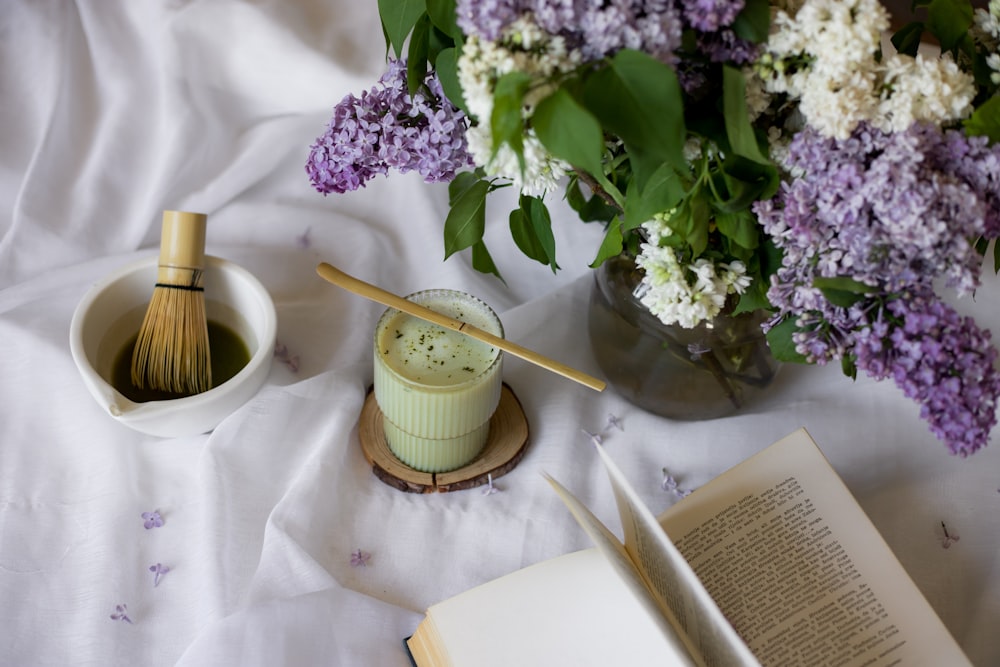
(799, 569)
(619, 560)
(569, 610)
(671, 579)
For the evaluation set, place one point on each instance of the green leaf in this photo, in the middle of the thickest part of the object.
(437, 42)
(762, 264)
(462, 182)
(996, 257)
(849, 367)
(745, 182)
(770, 257)
(843, 284)
(741, 136)
(611, 246)
(697, 233)
(741, 228)
(569, 132)
(506, 121)
(466, 220)
(398, 18)
(531, 229)
(841, 298)
(986, 120)
(754, 22)
(446, 67)
(639, 99)
(754, 298)
(661, 192)
(690, 222)
(907, 39)
(841, 291)
(524, 236)
(483, 262)
(645, 165)
(779, 339)
(982, 244)
(416, 55)
(589, 209)
(949, 21)
(442, 14)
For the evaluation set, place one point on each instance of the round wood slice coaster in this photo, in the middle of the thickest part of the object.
(503, 450)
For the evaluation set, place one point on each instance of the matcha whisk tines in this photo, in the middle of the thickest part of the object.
(172, 350)
(379, 295)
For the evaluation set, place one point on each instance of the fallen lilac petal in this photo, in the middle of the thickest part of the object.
(158, 571)
(121, 614)
(152, 519)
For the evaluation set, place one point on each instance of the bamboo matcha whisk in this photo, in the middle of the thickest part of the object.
(171, 353)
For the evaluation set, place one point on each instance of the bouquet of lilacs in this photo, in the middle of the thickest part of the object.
(750, 155)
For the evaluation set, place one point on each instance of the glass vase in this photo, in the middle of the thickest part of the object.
(709, 371)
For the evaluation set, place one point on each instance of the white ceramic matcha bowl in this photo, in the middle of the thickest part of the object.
(111, 312)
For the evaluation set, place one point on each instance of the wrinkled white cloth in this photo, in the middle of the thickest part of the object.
(114, 111)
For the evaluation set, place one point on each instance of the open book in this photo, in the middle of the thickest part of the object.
(771, 563)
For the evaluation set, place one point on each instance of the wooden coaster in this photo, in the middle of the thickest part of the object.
(504, 448)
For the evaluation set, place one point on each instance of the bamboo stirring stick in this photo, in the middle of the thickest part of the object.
(379, 295)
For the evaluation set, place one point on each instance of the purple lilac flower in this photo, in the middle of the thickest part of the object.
(488, 18)
(386, 128)
(598, 29)
(710, 15)
(976, 163)
(725, 46)
(942, 361)
(886, 210)
(895, 212)
(653, 27)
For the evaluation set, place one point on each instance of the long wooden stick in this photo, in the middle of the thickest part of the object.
(379, 295)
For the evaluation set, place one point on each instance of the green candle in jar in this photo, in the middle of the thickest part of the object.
(437, 388)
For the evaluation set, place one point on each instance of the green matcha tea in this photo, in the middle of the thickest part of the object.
(229, 356)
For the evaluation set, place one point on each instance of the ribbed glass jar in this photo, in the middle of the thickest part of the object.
(437, 388)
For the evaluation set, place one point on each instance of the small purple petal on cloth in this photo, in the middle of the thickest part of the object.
(121, 614)
(152, 519)
(360, 558)
(158, 571)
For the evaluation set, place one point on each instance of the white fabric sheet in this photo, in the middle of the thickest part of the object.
(114, 110)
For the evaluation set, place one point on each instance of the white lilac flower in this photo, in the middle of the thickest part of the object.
(824, 56)
(986, 32)
(987, 23)
(923, 89)
(542, 172)
(758, 99)
(993, 61)
(521, 47)
(835, 106)
(686, 295)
